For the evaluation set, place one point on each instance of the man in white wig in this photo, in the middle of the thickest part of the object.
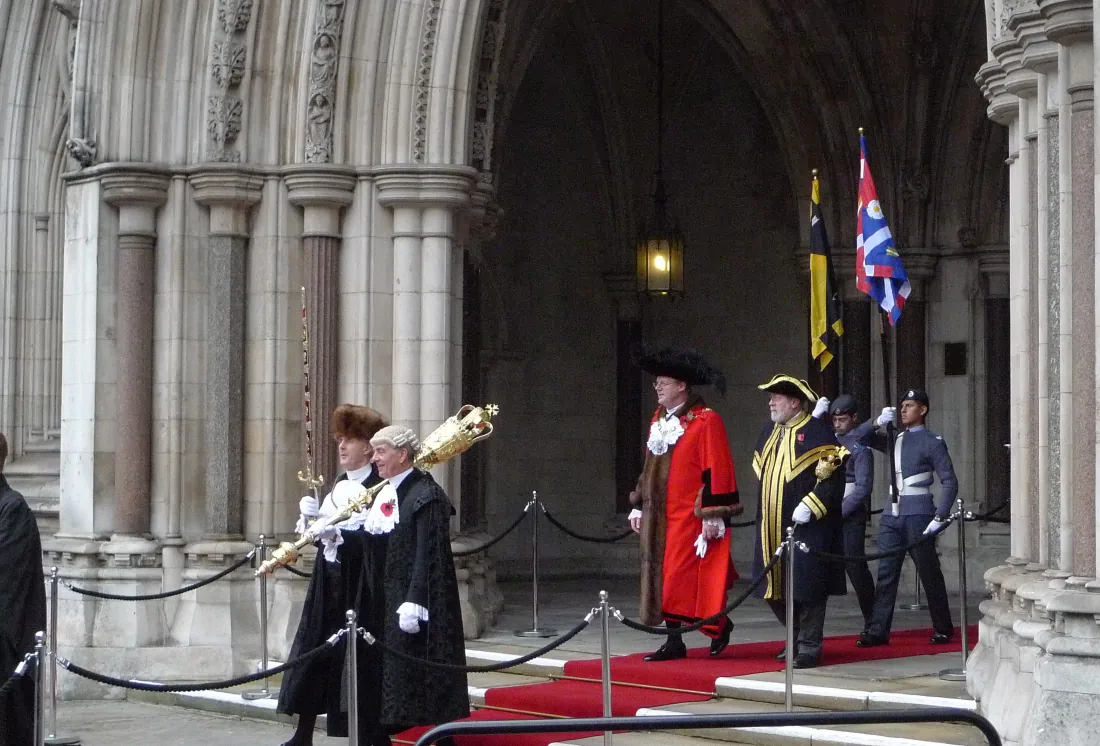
(423, 617)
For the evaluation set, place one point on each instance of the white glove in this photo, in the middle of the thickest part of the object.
(309, 507)
(821, 407)
(409, 617)
(935, 526)
(701, 546)
(635, 519)
(331, 539)
(889, 414)
(802, 513)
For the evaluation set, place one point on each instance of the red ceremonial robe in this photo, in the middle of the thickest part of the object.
(694, 479)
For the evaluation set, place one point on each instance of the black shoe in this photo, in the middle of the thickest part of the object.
(868, 640)
(940, 638)
(718, 644)
(805, 660)
(670, 651)
(782, 654)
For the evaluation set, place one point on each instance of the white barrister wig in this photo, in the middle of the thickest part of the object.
(397, 436)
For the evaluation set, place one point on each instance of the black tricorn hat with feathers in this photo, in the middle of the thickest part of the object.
(680, 363)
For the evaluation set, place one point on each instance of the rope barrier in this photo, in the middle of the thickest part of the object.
(20, 672)
(156, 686)
(295, 571)
(711, 619)
(581, 537)
(878, 555)
(495, 539)
(165, 594)
(744, 524)
(988, 515)
(487, 668)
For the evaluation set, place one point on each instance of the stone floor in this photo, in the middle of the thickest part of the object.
(563, 604)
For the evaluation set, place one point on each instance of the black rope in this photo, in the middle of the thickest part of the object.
(988, 515)
(581, 537)
(743, 524)
(165, 594)
(155, 686)
(878, 512)
(295, 571)
(709, 620)
(491, 667)
(495, 539)
(878, 555)
(20, 672)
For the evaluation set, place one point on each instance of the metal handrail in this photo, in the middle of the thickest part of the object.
(732, 720)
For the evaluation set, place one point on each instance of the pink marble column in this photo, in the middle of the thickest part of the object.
(322, 192)
(137, 195)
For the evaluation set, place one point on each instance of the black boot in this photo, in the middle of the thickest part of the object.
(673, 648)
(303, 734)
(719, 643)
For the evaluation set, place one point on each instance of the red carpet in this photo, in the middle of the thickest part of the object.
(697, 674)
(700, 671)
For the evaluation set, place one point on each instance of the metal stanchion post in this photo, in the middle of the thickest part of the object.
(535, 630)
(261, 555)
(788, 698)
(353, 678)
(959, 674)
(917, 605)
(52, 739)
(605, 660)
(39, 684)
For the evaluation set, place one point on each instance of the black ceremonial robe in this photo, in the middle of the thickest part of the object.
(420, 569)
(353, 581)
(22, 611)
(784, 460)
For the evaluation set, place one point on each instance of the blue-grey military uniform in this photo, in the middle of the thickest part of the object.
(856, 509)
(920, 456)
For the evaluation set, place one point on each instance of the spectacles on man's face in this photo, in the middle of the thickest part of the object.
(663, 384)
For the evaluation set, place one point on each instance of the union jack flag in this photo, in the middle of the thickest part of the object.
(879, 271)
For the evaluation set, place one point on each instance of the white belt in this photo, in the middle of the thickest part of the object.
(849, 488)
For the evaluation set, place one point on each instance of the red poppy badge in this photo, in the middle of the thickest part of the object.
(386, 508)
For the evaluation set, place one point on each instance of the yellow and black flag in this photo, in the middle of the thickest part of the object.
(826, 322)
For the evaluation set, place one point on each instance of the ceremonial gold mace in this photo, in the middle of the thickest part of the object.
(456, 435)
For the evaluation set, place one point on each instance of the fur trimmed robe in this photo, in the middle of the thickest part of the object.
(692, 480)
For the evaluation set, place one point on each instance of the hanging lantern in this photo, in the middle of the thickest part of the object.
(661, 252)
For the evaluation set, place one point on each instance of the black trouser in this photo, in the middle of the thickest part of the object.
(809, 625)
(896, 532)
(855, 526)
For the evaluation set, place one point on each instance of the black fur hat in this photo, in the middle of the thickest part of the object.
(680, 363)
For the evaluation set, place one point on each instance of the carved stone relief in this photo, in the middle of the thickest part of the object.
(487, 95)
(424, 78)
(80, 146)
(228, 59)
(323, 64)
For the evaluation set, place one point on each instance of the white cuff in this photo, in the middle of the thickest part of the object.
(302, 525)
(635, 513)
(410, 609)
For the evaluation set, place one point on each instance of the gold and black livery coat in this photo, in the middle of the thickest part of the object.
(800, 461)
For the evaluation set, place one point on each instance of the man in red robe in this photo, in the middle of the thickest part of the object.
(685, 496)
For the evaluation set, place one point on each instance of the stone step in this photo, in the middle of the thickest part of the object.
(847, 694)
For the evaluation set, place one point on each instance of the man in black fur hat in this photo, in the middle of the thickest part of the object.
(685, 494)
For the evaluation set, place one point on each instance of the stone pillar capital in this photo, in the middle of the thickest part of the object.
(1018, 80)
(230, 192)
(1003, 107)
(1067, 21)
(137, 193)
(446, 186)
(920, 267)
(1037, 52)
(322, 190)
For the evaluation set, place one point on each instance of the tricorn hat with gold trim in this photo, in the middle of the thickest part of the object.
(781, 383)
(680, 363)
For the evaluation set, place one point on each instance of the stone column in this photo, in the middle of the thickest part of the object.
(137, 196)
(230, 194)
(998, 371)
(322, 192)
(629, 395)
(424, 201)
(856, 348)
